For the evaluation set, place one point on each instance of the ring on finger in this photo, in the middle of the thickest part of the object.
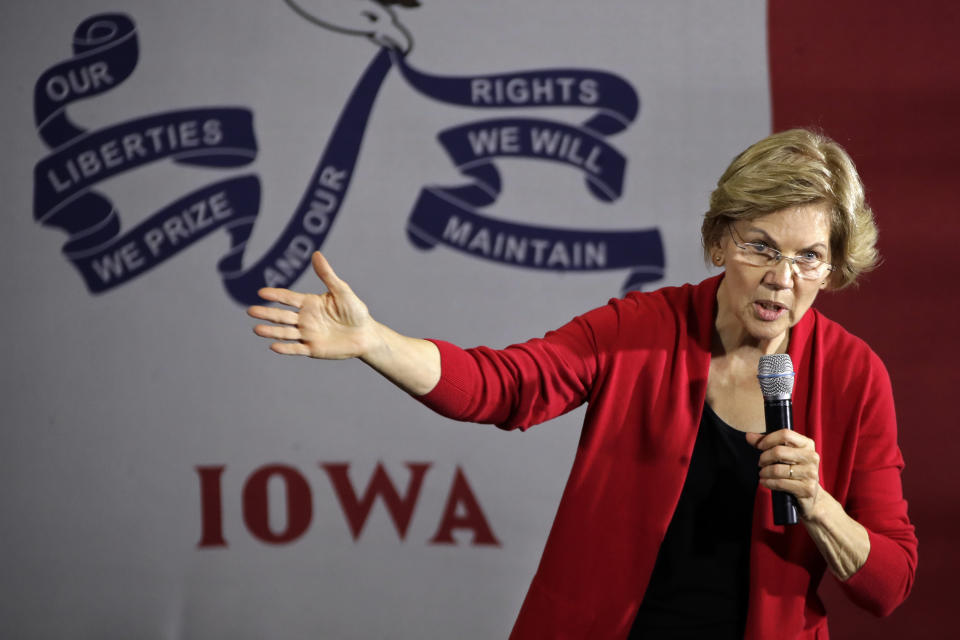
(791, 472)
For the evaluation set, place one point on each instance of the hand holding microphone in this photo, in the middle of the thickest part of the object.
(776, 381)
(789, 462)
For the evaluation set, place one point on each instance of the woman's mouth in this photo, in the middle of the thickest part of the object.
(769, 311)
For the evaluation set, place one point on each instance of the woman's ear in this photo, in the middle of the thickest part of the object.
(716, 254)
(827, 282)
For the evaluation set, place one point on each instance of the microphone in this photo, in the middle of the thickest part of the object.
(776, 381)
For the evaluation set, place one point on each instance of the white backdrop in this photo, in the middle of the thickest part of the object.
(111, 401)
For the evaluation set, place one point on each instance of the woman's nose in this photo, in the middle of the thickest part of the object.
(781, 274)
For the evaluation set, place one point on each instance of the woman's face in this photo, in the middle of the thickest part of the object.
(766, 301)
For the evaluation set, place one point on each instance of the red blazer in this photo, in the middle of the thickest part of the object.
(641, 363)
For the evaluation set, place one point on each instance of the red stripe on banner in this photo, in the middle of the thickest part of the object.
(883, 79)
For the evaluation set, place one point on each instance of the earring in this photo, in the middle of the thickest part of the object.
(718, 259)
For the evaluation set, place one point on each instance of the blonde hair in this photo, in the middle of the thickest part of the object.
(791, 168)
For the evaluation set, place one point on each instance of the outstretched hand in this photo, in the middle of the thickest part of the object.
(334, 325)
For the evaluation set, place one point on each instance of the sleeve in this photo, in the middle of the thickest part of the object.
(523, 384)
(875, 500)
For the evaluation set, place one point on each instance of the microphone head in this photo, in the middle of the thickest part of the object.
(776, 376)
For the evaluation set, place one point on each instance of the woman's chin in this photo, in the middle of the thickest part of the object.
(767, 330)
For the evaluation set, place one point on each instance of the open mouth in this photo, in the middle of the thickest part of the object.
(768, 310)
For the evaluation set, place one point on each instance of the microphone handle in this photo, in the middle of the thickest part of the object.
(779, 415)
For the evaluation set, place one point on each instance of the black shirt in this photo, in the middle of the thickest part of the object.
(700, 582)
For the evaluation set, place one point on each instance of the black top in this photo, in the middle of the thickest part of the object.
(699, 584)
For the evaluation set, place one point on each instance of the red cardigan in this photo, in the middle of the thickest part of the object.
(641, 363)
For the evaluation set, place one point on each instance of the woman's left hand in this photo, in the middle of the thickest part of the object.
(789, 462)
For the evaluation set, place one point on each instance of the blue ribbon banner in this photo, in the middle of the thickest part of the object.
(448, 215)
(318, 208)
(105, 54)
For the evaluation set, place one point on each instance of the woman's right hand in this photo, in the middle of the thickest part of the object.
(334, 325)
(337, 325)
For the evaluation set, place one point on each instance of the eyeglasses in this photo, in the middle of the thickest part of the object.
(760, 254)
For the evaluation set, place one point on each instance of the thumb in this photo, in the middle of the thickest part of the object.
(753, 439)
(326, 274)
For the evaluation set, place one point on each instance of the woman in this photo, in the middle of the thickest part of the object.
(665, 527)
